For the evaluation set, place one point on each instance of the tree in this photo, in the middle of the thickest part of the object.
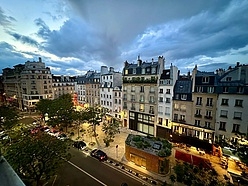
(94, 116)
(60, 111)
(37, 157)
(110, 130)
(8, 117)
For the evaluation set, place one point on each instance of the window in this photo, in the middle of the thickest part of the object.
(161, 99)
(225, 89)
(235, 128)
(205, 79)
(167, 110)
(176, 106)
(224, 101)
(210, 89)
(222, 126)
(142, 98)
(152, 89)
(198, 100)
(228, 78)
(161, 90)
(208, 114)
(182, 118)
(209, 102)
(184, 97)
(142, 108)
(126, 71)
(143, 71)
(238, 103)
(141, 88)
(175, 117)
(207, 124)
(240, 89)
(153, 70)
(183, 108)
(167, 91)
(134, 70)
(223, 113)
(151, 111)
(152, 100)
(197, 122)
(133, 98)
(160, 110)
(199, 89)
(237, 115)
(198, 112)
(167, 100)
(160, 120)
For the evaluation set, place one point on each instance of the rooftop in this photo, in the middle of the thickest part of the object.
(152, 145)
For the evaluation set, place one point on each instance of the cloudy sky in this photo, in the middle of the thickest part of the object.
(74, 36)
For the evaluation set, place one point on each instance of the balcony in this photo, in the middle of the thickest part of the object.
(198, 115)
(182, 121)
(208, 117)
(132, 108)
(141, 81)
(132, 99)
(142, 110)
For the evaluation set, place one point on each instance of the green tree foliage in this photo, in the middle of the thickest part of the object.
(110, 130)
(37, 157)
(193, 175)
(60, 111)
(8, 117)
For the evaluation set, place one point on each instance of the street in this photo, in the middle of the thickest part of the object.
(85, 170)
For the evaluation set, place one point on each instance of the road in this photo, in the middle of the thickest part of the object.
(85, 170)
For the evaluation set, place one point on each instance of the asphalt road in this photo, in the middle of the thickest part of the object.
(83, 170)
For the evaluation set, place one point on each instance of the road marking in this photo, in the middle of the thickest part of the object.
(86, 173)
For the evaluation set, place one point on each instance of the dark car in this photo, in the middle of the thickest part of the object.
(100, 155)
(79, 145)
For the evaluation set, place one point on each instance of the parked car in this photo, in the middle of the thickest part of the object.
(62, 137)
(79, 145)
(99, 154)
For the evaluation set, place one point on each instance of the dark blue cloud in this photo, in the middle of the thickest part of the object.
(24, 39)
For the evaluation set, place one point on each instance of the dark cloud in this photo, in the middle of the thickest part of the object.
(24, 39)
(100, 32)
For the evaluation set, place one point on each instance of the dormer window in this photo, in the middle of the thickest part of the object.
(134, 71)
(205, 79)
(228, 78)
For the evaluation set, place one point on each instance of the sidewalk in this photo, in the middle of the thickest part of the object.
(117, 153)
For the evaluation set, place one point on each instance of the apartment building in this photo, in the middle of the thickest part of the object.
(26, 84)
(110, 81)
(36, 84)
(80, 88)
(167, 81)
(117, 101)
(232, 117)
(12, 85)
(92, 87)
(63, 85)
(140, 94)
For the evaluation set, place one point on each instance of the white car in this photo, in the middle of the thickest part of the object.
(62, 137)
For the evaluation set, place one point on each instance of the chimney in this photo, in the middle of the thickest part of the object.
(238, 63)
(40, 59)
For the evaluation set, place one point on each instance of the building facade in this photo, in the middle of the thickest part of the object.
(231, 117)
(110, 81)
(165, 94)
(63, 85)
(140, 95)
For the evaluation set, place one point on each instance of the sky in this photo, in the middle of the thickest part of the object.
(74, 36)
